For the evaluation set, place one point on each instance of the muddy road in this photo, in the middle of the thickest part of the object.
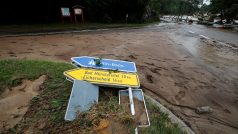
(176, 66)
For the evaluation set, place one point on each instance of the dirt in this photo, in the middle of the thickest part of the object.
(167, 71)
(14, 102)
(110, 127)
(102, 125)
(140, 117)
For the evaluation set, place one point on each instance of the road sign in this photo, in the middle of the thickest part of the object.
(86, 61)
(82, 97)
(65, 11)
(104, 77)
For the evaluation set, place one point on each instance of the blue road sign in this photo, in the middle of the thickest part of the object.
(86, 61)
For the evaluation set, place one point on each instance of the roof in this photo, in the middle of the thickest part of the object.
(77, 6)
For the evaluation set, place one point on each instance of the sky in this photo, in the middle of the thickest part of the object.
(206, 2)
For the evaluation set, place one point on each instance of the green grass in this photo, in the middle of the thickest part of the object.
(13, 71)
(48, 108)
(160, 123)
(34, 28)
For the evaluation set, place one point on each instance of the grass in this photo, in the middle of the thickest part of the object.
(160, 123)
(46, 111)
(13, 71)
(55, 27)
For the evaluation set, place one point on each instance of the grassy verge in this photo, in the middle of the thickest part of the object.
(55, 27)
(46, 111)
(160, 123)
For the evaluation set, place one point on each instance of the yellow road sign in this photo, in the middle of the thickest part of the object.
(104, 77)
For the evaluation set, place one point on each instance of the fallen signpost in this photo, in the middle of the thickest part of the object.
(104, 77)
(82, 97)
(108, 64)
(105, 72)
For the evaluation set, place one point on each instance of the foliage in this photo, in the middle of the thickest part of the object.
(203, 12)
(204, 8)
(31, 12)
(98, 61)
(48, 11)
(175, 7)
(227, 9)
(116, 10)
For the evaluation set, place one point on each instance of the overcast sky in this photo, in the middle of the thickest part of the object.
(206, 2)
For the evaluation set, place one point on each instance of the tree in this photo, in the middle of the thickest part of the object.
(116, 10)
(228, 9)
(175, 7)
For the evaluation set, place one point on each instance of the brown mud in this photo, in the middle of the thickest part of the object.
(167, 71)
(140, 117)
(111, 127)
(14, 102)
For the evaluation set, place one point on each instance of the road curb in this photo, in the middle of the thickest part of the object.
(171, 116)
(65, 32)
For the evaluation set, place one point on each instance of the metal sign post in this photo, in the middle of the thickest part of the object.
(137, 94)
(131, 101)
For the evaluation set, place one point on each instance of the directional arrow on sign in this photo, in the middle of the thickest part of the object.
(104, 77)
(85, 61)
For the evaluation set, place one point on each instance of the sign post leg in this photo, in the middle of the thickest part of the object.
(131, 101)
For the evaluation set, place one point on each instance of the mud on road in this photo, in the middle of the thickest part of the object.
(14, 102)
(167, 71)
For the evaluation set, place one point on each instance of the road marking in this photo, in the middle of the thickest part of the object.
(191, 32)
(204, 36)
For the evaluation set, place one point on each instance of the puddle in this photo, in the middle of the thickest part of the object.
(14, 102)
(190, 43)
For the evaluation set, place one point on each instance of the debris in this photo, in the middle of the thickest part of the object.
(98, 62)
(102, 125)
(132, 57)
(203, 110)
(41, 125)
